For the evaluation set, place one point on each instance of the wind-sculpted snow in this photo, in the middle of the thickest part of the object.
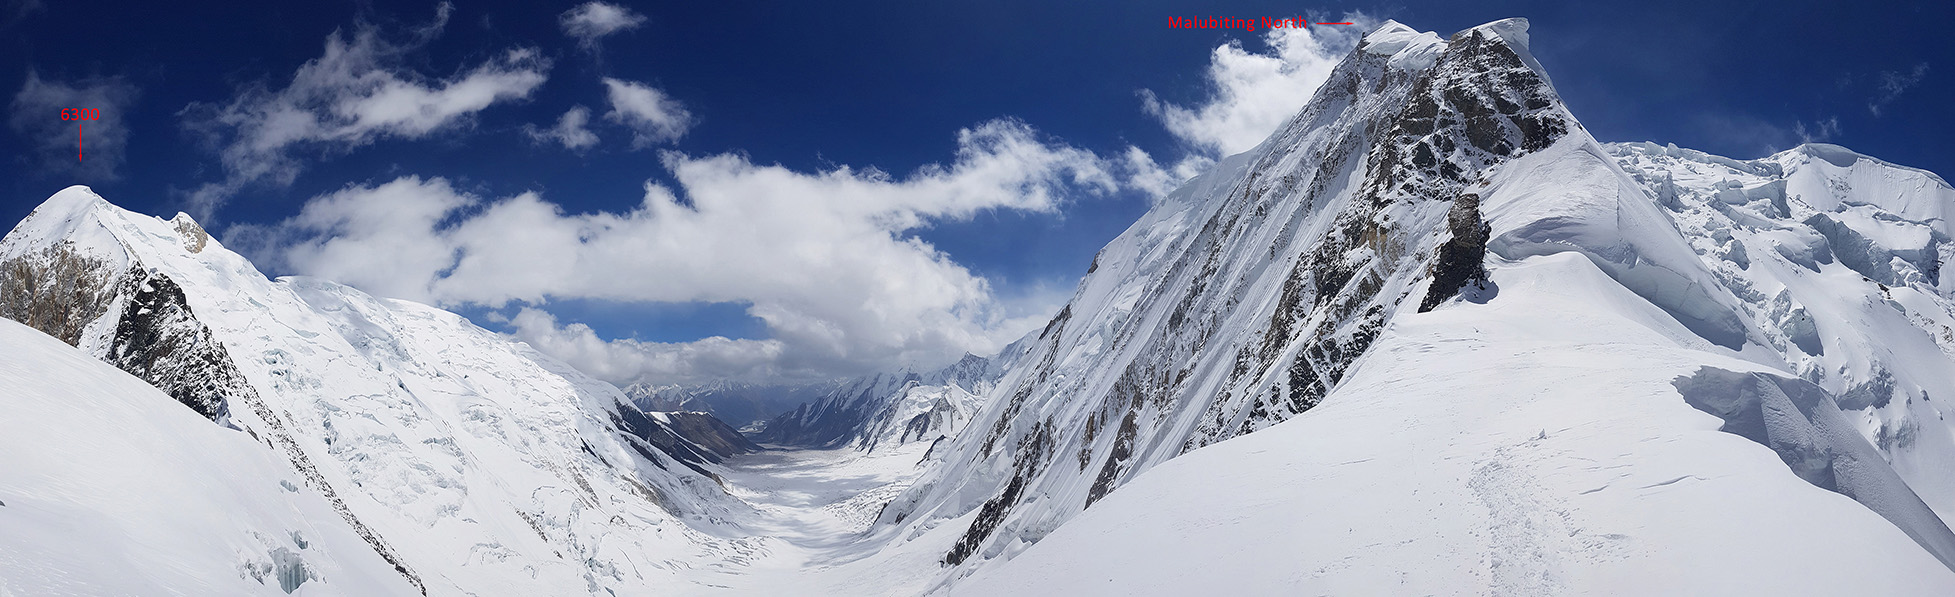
(1837, 263)
(467, 463)
(1804, 425)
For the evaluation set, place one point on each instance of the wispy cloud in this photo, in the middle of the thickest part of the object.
(359, 91)
(592, 21)
(36, 118)
(571, 131)
(1822, 130)
(653, 117)
(827, 259)
(1893, 83)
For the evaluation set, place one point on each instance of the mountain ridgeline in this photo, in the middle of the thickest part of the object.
(1430, 336)
(1246, 296)
(440, 444)
(1251, 293)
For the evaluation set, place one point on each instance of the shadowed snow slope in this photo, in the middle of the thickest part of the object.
(111, 488)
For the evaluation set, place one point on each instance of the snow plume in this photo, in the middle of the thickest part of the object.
(1252, 94)
(359, 91)
(653, 117)
(35, 118)
(592, 21)
(826, 259)
(571, 131)
(1822, 130)
(1893, 83)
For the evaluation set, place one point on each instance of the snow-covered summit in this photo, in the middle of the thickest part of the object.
(1423, 168)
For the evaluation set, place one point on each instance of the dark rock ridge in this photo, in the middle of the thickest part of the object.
(155, 337)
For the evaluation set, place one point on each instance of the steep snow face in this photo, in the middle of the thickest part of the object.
(471, 464)
(1532, 445)
(1246, 296)
(1837, 262)
(113, 489)
(1255, 290)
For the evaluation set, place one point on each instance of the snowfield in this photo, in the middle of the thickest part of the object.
(112, 488)
(1533, 445)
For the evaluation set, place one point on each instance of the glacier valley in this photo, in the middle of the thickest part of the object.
(1430, 337)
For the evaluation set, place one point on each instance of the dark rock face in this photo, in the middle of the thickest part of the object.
(1462, 260)
(56, 290)
(715, 437)
(156, 337)
(650, 439)
(992, 513)
(159, 340)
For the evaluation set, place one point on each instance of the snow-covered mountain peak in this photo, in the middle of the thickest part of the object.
(468, 462)
(1393, 38)
(1831, 178)
(64, 216)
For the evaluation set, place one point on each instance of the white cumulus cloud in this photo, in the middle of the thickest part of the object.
(357, 92)
(827, 259)
(652, 116)
(1252, 94)
(572, 130)
(629, 360)
(592, 21)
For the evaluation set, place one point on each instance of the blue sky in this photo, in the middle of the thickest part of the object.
(856, 185)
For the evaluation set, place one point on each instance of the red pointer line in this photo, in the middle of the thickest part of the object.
(1333, 23)
(77, 142)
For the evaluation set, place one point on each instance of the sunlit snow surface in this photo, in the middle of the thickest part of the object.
(1526, 437)
(109, 487)
(1533, 445)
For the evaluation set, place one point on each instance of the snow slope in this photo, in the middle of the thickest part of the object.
(475, 465)
(1255, 292)
(1430, 337)
(1245, 296)
(109, 487)
(1836, 259)
(1532, 445)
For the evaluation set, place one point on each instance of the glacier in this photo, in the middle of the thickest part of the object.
(1429, 337)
